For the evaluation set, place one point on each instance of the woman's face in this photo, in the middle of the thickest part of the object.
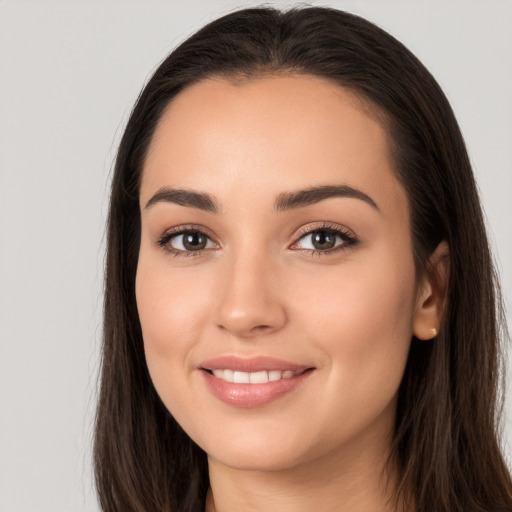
(275, 249)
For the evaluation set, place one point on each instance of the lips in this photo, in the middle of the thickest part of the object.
(252, 382)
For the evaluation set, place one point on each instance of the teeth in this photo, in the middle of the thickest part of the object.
(258, 377)
(241, 378)
(261, 377)
(274, 375)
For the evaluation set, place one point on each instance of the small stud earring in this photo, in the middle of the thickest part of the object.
(433, 331)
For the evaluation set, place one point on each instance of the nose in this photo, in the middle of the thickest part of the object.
(250, 302)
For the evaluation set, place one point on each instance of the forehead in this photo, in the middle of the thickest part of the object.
(291, 131)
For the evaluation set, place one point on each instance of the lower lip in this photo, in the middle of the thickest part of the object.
(252, 395)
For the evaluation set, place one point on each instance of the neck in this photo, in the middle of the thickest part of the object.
(338, 482)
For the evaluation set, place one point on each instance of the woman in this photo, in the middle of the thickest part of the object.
(301, 309)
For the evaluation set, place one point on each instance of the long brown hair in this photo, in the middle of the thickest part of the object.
(447, 419)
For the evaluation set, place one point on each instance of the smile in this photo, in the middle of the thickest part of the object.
(261, 377)
(252, 382)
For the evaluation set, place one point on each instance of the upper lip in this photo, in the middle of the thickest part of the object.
(251, 364)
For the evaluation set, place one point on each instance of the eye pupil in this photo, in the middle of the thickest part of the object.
(323, 240)
(194, 241)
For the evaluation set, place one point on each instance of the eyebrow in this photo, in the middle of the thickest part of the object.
(285, 201)
(307, 197)
(183, 197)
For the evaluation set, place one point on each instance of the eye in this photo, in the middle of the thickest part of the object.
(325, 240)
(186, 241)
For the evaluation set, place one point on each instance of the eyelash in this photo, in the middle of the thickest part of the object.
(348, 239)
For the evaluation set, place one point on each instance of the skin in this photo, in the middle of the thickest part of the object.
(258, 289)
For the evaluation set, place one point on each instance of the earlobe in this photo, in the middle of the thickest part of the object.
(431, 297)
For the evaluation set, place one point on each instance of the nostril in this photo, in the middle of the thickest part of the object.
(261, 328)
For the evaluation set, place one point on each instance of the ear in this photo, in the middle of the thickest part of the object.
(431, 295)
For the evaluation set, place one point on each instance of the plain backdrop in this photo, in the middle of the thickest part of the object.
(69, 74)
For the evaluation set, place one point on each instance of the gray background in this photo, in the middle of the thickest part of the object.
(69, 74)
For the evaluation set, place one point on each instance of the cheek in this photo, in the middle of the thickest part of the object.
(173, 308)
(361, 317)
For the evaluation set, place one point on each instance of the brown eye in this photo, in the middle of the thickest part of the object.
(186, 242)
(194, 241)
(323, 240)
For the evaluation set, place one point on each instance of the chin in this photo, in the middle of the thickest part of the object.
(261, 452)
(255, 460)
